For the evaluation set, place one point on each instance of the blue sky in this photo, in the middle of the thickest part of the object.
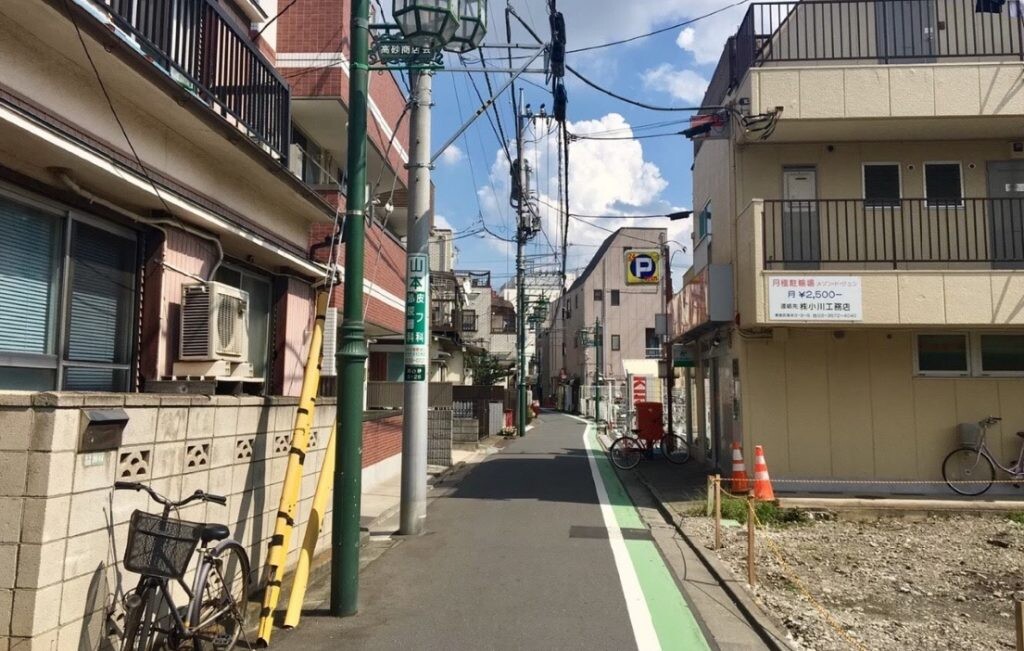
(609, 177)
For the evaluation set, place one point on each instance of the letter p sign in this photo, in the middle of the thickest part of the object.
(642, 267)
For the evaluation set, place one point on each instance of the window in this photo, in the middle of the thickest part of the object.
(652, 344)
(52, 263)
(260, 302)
(943, 185)
(469, 320)
(882, 184)
(1001, 353)
(615, 298)
(616, 342)
(598, 295)
(704, 222)
(942, 354)
(577, 301)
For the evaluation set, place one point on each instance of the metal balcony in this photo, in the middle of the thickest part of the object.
(899, 232)
(869, 32)
(196, 44)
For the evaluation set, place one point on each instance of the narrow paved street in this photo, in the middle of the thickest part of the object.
(538, 547)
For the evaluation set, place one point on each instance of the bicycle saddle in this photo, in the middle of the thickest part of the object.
(1020, 434)
(213, 532)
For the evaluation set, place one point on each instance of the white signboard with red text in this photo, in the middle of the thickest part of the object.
(639, 388)
(814, 298)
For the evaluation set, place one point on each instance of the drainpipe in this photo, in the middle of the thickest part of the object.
(64, 175)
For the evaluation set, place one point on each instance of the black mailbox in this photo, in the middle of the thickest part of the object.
(102, 429)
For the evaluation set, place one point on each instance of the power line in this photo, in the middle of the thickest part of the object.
(574, 137)
(649, 107)
(659, 31)
(274, 19)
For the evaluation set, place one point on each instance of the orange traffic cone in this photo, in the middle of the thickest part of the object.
(762, 483)
(740, 482)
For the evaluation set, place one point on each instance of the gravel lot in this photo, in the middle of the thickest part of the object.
(939, 583)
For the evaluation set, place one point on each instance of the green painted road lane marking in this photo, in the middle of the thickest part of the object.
(673, 621)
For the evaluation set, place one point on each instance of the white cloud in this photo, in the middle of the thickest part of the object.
(592, 22)
(685, 85)
(606, 177)
(453, 155)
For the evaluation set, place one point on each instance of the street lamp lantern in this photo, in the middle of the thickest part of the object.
(472, 27)
(427, 23)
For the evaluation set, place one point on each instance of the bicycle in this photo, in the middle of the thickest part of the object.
(970, 469)
(627, 451)
(160, 549)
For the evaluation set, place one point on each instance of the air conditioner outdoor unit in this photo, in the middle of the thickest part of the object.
(214, 323)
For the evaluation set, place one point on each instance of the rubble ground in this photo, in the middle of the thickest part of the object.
(936, 583)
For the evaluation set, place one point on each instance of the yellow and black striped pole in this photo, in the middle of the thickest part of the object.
(280, 543)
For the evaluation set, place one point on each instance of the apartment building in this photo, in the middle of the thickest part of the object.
(624, 289)
(858, 243)
(145, 147)
(541, 287)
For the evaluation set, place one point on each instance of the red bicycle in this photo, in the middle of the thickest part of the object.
(627, 451)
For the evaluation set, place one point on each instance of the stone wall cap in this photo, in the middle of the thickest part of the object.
(16, 398)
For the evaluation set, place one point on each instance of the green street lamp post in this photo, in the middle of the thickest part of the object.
(427, 27)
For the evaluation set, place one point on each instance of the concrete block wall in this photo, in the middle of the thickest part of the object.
(63, 529)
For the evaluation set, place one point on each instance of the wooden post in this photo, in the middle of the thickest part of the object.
(718, 511)
(751, 572)
(710, 508)
(1018, 618)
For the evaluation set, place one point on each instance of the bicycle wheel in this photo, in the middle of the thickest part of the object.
(674, 448)
(140, 630)
(626, 452)
(971, 467)
(219, 609)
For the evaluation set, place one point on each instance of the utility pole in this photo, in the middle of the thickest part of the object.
(599, 345)
(666, 338)
(417, 331)
(521, 195)
(352, 350)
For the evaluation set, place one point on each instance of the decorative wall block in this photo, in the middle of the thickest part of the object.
(133, 465)
(197, 456)
(312, 439)
(282, 443)
(243, 448)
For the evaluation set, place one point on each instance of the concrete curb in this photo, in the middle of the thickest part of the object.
(767, 628)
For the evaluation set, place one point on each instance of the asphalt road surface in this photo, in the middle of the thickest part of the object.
(538, 547)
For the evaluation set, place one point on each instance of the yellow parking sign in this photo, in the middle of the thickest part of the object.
(643, 267)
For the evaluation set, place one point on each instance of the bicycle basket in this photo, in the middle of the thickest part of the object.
(160, 547)
(969, 435)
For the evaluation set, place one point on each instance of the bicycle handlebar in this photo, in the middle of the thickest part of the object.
(990, 420)
(160, 499)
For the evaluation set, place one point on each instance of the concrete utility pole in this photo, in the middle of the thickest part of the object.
(599, 345)
(522, 231)
(417, 331)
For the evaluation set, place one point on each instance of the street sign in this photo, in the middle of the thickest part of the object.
(643, 267)
(394, 50)
(417, 318)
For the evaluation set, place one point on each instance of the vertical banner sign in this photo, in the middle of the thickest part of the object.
(417, 342)
(639, 388)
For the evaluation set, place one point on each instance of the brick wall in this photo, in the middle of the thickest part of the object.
(382, 439)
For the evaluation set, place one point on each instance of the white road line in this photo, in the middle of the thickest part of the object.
(636, 603)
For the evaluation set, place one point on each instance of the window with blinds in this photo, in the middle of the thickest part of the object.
(66, 304)
(101, 302)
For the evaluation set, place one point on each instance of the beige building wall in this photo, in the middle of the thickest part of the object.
(850, 406)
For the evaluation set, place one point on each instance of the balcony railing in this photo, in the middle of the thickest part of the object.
(867, 31)
(652, 353)
(202, 50)
(808, 234)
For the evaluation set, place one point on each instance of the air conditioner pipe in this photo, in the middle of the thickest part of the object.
(64, 175)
